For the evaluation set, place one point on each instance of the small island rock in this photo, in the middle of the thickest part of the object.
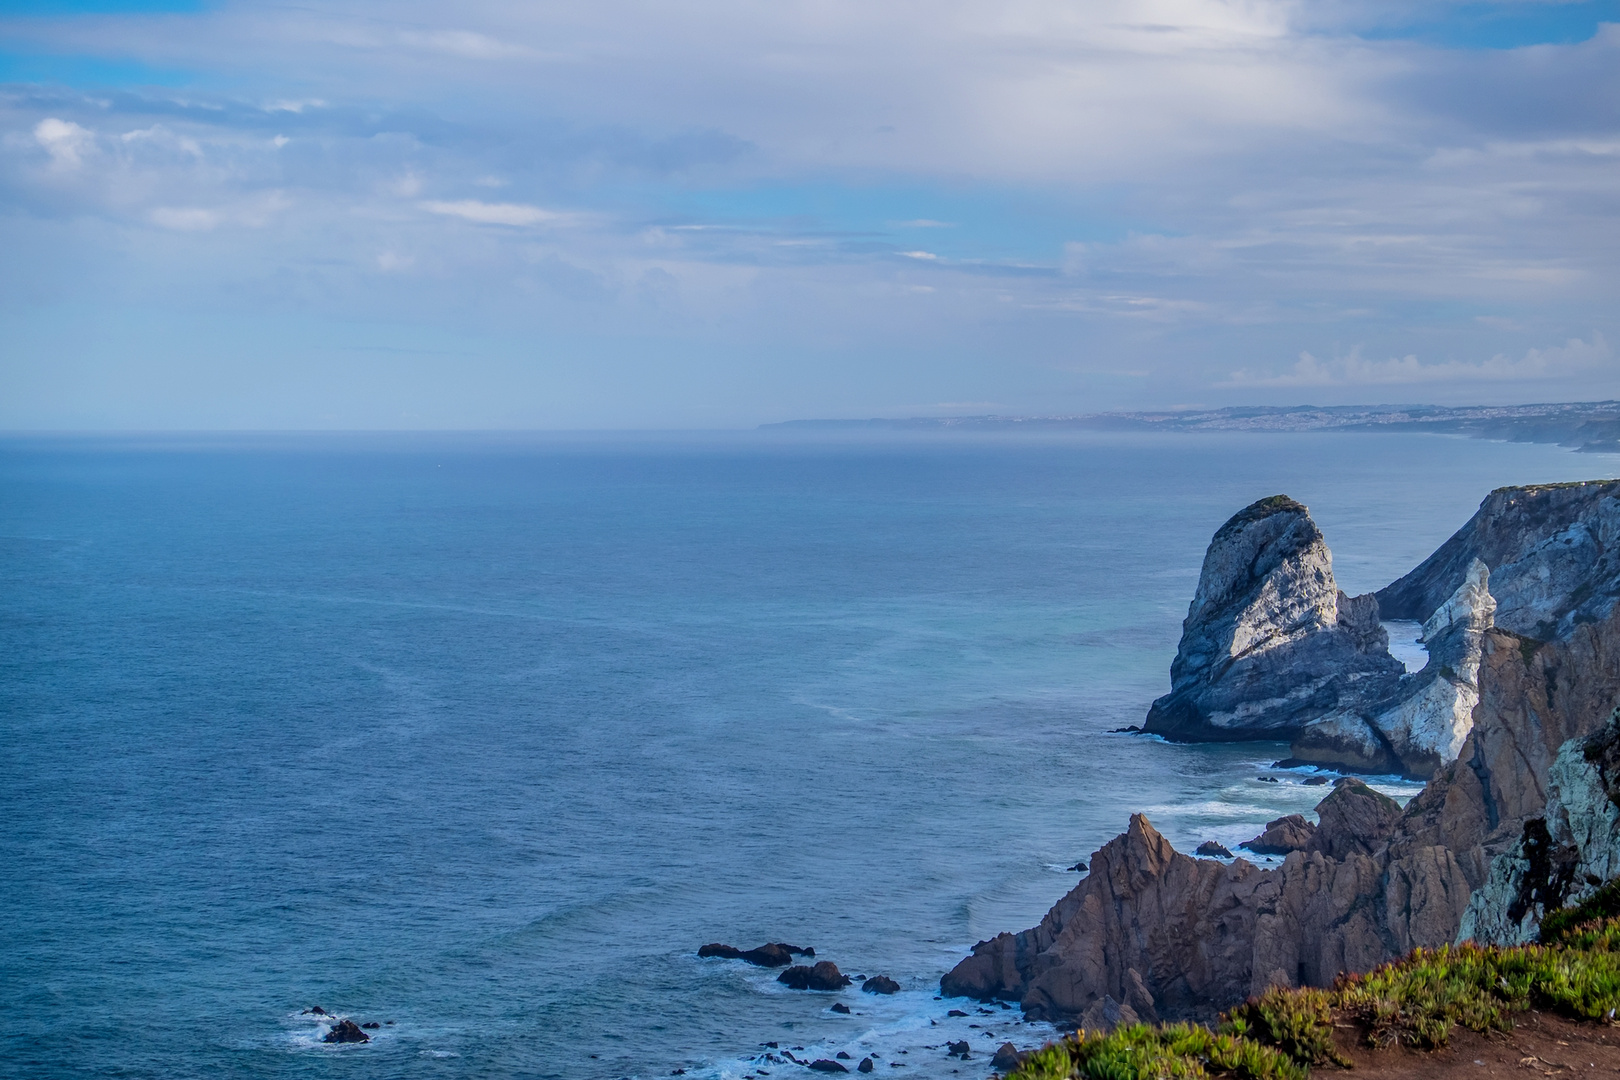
(346, 1031)
(824, 976)
(880, 984)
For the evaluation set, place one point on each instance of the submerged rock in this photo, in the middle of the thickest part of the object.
(346, 1031)
(823, 976)
(827, 1065)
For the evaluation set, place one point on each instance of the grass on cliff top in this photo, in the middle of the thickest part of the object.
(1417, 1001)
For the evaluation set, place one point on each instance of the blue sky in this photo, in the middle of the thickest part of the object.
(717, 214)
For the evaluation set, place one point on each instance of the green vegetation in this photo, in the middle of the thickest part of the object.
(1417, 1001)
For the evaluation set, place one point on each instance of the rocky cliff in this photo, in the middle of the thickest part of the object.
(1270, 643)
(1523, 819)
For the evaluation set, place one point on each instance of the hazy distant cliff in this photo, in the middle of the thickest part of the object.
(1523, 819)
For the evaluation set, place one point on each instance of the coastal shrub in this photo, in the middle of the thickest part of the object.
(1297, 1022)
(1416, 1001)
(1603, 904)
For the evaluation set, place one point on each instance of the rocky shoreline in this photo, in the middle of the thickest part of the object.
(1512, 722)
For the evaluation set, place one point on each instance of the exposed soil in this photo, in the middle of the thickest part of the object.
(1540, 1044)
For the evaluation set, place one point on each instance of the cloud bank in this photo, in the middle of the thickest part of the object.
(628, 214)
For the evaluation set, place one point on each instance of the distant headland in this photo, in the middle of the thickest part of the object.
(1586, 426)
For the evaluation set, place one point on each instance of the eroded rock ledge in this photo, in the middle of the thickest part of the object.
(1521, 819)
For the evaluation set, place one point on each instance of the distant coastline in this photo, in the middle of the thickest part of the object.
(1587, 427)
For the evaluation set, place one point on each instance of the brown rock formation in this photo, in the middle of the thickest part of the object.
(1160, 932)
(1290, 833)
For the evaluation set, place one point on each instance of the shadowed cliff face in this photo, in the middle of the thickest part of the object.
(1523, 817)
(1269, 643)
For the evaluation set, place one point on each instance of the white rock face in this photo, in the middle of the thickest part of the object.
(1583, 846)
(1428, 729)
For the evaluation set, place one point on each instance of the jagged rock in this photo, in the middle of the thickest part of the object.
(958, 1049)
(1353, 818)
(823, 976)
(880, 984)
(1006, 1059)
(1270, 643)
(1209, 849)
(346, 1031)
(1291, 833)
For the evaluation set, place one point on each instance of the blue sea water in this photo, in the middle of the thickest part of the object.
(480, 737)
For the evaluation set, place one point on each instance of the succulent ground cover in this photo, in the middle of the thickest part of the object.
(1417, 1002)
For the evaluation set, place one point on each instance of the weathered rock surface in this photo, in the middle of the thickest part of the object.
(1553, 554)
(1270, 644)
(823, 976)
(1209, 849)
(1290, 833)
(1423, 725)
(1520, 821)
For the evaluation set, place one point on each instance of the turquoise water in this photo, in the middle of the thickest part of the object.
(484, 736)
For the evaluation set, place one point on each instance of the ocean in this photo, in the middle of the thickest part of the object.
(480, 737)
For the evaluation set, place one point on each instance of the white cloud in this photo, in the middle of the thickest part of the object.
(483, 213)
(66, 142)
(1572, 358)
(465, 43)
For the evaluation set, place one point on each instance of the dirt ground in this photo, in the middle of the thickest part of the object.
(1539, 1045)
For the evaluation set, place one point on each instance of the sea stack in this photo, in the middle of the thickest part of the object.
(1270, 644)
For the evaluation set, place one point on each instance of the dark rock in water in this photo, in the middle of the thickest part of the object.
(346, 1031)
(958, 1049)
(1007, 1058)
(1210, 849)
(840, 1007)
(1315, 781)
(1079, 867)
(865, 1065)
(371, 1026)
(1268, 780)
(314, 1010)
(1270, 643)
(956, 1012)
(842, 1056)
(774, 954)
(824, 1065)
(1291, 833)
(880, 984)
(1128, 729)
(824, 976)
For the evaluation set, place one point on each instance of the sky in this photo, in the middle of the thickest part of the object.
(353, 214)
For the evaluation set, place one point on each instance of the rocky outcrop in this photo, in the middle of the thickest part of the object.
(1286, 834)
(1171, 936)
(1422, 726)
(346, 1031)
(880, 984)
(1563, 855)
(1270, 643)
(1553, 551)
(1521, 820)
